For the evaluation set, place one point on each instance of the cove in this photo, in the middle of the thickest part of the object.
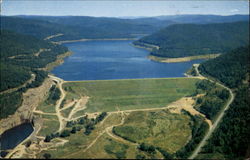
(104, 60)
(14, 136)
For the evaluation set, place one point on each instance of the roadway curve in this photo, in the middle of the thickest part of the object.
(218, 119)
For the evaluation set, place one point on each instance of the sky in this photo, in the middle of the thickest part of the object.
(122, 8)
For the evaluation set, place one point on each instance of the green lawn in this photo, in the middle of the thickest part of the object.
(130, 94)
(163, 129)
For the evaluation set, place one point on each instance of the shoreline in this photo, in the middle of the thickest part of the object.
(59, 60)
(172, 60)
(182, 59)
(143, 47)
(98, 39)
(146, 46)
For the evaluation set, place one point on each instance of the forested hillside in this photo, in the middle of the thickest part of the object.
(230, 69)
(22, 56)
(13, 44)
(231, 139)
(37, 28)
(181, 40)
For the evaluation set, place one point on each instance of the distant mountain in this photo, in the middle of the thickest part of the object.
(204, 19)
(78, 27)
(37, 28)
(75, 27)
(182, 40)
(145, 24)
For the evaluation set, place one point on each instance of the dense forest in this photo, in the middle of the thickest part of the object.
(182, 40)
(211, 103)
(21, 56)
(231, 139)
(232, 69)
(37, 28)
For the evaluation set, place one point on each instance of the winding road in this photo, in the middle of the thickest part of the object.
(58, 113)
(218, 119)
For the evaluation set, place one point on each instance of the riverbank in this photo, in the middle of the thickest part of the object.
(98, 39)
(182, 59)
(59, 60)
(150, 48)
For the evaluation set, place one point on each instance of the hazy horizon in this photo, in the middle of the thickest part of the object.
(129, 17)
(120, 9)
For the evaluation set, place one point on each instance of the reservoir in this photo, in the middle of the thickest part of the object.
(12, 137)
(103, 60)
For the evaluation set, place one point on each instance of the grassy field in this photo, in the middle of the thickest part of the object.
(162, 129)
(50, 125)
(159, 128)
(66, 112)
(47, 108)
(167, 125)
(79, 113)
(107, 147)
(130, 94)
(79, 141)
(48, 105)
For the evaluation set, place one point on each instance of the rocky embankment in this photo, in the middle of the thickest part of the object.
(31, 99)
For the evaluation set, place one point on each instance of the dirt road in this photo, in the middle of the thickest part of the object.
(218, 119)
(58, 113)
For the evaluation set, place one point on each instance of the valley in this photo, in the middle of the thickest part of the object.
(167, 87)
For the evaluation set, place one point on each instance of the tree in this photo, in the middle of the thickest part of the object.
(47, 138)
(138, 156)
(28, 143)
(147, 148)
(65, 133)
(165, 153)
(73, 130)
(87, 132)
(47, 155)
(78, 128)
(81, 121)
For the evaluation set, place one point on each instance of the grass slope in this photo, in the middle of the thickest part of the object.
(160, 128)
(130, 94)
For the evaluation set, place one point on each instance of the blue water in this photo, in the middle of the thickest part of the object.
(100, 60)
(12, 137)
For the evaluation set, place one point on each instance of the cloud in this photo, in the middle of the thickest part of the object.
(234, 10)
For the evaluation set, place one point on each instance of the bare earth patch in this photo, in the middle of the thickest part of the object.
(187, 104)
